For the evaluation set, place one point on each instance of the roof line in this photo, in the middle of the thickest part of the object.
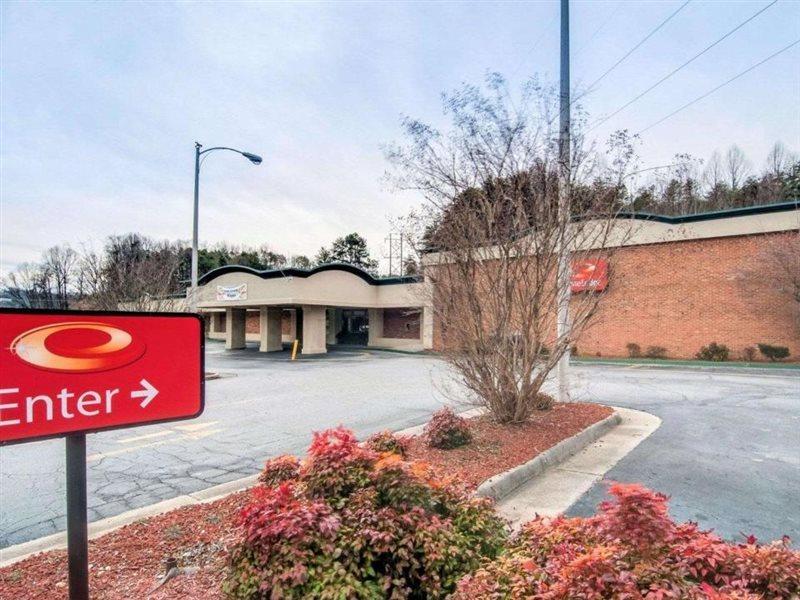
(304, 273)
(760, 209)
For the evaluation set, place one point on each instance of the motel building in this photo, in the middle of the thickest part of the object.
(677, 283)
(330, 305)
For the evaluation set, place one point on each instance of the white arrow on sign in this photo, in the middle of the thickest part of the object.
(148, 393)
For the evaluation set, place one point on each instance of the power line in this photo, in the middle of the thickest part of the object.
(708, 93)
(536, 43)
(602, 26)
(675, 70)
(636, 47)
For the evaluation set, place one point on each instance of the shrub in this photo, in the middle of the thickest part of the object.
(386, 441)
(544, 401)
(773, 352)
(632, 549)
(634, 350)
(355, 524)
(446, 430)
(749, 353)
(714, 352)
(656, 352)
(279, 469)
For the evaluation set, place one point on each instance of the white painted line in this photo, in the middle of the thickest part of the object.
(195, 426)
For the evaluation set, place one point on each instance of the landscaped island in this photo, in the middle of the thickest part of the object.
(372, 520)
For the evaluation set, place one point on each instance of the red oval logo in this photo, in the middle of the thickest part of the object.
(80, 347)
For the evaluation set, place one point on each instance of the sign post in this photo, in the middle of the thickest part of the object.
(69, 373)
(77, 526)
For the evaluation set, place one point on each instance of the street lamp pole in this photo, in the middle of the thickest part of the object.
(565, 157)
(198, 152)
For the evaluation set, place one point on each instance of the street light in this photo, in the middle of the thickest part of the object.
(253, 158)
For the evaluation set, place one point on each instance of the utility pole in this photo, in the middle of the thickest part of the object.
(391, 248)
(564, 157)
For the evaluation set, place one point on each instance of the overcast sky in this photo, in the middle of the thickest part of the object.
(102, 102)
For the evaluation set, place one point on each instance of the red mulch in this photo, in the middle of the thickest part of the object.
(497, 448)
(127, 563)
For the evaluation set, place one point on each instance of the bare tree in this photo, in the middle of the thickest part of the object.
(46, 284)
(736, 167)
(60, 262)
(26, 287)
(779, 160)
(134, 273)
(491, 237)
(780, 262)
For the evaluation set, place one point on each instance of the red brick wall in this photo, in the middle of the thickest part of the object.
(401, 323)
(684, 295)
(252, 323)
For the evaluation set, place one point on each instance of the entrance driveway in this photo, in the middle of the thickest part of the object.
(728, 449)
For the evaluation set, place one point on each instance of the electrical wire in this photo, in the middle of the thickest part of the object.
(732, 79)
(686, 63)
(602, 26)
(634, 49)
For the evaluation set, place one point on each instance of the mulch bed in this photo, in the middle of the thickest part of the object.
(497, 448)
(126, 564)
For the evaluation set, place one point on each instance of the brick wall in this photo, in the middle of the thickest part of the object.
(684, 295)
(252, 323)
(401, 323)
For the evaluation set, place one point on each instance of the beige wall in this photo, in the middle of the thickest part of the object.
(327, 288)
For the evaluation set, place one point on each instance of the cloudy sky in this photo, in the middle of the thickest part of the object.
(102, 102)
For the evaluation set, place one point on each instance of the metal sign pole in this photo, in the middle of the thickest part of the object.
(77, 529)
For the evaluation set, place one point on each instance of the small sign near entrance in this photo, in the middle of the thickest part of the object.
(77, 372)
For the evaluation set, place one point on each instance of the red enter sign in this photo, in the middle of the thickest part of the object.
(79, 372)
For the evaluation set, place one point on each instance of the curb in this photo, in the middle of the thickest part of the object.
(786, 369)
(499, 486)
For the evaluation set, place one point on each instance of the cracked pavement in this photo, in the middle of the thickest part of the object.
(728, 450)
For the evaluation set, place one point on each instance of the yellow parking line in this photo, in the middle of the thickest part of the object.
(147, 436)
(100, 455)
(201, 434)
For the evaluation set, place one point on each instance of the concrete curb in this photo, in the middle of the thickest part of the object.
(500, 486)
(56, 541)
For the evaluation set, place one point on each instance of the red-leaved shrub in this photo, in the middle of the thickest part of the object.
(386, 441)
(355, 523)
(446, 430)
(632, 550)
(279, 469)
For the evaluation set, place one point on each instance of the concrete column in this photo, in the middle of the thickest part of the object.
(270, 329)
(375, 316)
(426, 327)
(314, 330)
(235, 329)
(217, 322)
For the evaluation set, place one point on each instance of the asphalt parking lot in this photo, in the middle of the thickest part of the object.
(728, 451)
